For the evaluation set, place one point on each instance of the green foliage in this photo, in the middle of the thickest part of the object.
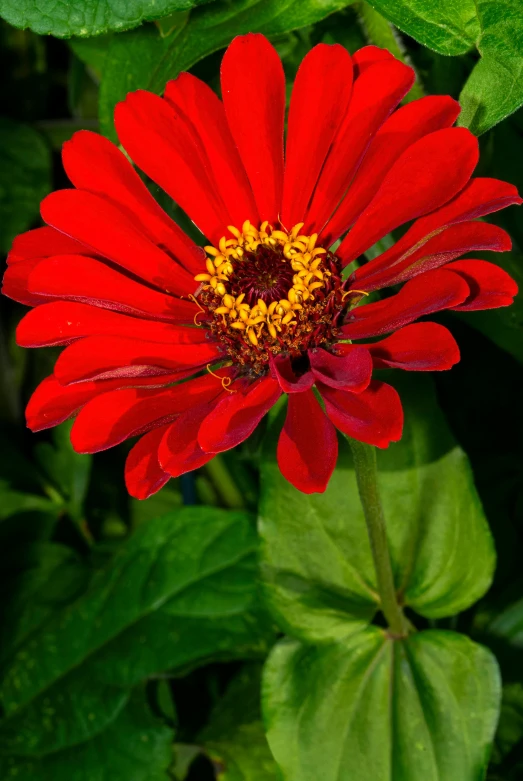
(374, 708)
(87, 17)
(319, 574)
(25, 178)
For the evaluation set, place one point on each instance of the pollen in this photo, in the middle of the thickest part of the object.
(268, 289)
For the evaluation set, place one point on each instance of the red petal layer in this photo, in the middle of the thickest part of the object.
(443, 247)
(478, 198)
(308, 445)
(143, 474)
(253, 91)
(179, 450)
(431, 292)
(236, 417)
(320, 97)
(62, 322)
(16, 281)
(113, 417)
(402, 129)
(351, 371)
(490, 286)
(158, 139)
(283, 371)
(105, 357)
(417, 347)
(97, 223)
(95, 164)
(204, 110)
(418, 182)
(367, 56)
(374, 416)
(78, 278)
(52, 403)
(376, 93)
(42, 243)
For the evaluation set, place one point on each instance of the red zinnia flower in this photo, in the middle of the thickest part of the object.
(271, 311)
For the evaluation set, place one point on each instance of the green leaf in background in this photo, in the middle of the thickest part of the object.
(181, 591)
(375, 709)
(235, 739)
(494, 90)
(446, 26)
(87, 17)
(510, 727)
(495, 87)
(320, 579)
(136, 747)
(25, 178)
(143, 59)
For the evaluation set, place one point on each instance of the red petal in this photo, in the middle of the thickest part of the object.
(42, 243)
(320, 98)
(282, 370)
(367, 56)
(52, 403)
(62, 322)
(419, 181)
(143, 474)
(164, 147)
(105, 357)
(443, 247)
(113, 417)
(93, 163)
(253, 91)
(351, 371)
(78, 278)
(490, 286)
(376, 93)
(16, 280)
(179, 450)
(308, 445)
(431, 292)
(478, 198)
(204, 110)
(403, 128)
(374, 416)
(236, 417)
(417, 347)
(97, 223)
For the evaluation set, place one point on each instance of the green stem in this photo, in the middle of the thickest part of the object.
(364, 457)
(224, 483)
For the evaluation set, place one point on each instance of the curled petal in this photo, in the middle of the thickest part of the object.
(143, 474)
(417, 347)
(308, 445)
(351, 371)
(489, 285)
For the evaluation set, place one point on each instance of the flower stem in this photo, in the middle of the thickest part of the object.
(364, 457)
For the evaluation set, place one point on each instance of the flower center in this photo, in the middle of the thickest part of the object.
(268, 291)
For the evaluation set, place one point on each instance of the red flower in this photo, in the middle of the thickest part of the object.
(271, 311)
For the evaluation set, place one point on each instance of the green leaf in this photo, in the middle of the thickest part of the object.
(495, 87)
(510, 727)
(235, 739)
(371, 708)
(87, 17)
(135, 747)
(144, 60)
(320, 579)
(443, 25)
(182, 590)
(25, 178)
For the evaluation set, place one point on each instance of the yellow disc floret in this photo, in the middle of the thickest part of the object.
(264, 317)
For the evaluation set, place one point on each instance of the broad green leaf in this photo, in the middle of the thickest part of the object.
(87, 17)
(375, 709)
(495, 87)
(320, 579)
(235, 739)
(25, 178)
(135, 747)
(443, 25)
(142, 59)
(180, 591)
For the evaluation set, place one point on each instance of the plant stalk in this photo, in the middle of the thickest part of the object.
(364, 457)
